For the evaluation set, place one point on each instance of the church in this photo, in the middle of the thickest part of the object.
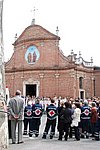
(39, 68)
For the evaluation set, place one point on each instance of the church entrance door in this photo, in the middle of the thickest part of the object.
(82, 94)
(31, 89)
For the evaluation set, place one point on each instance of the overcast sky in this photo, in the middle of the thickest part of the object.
(78, 22)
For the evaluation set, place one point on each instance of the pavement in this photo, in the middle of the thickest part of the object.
(37, 143)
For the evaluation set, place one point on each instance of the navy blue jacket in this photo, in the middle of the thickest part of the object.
(85, 112)
(28, 112)
(51, 112)
(37, 110)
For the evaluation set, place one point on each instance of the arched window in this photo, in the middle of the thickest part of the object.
(81, 82)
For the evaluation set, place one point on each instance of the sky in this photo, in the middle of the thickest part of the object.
(78, 22)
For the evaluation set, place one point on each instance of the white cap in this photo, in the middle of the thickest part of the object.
(18, 91)
(85, 101)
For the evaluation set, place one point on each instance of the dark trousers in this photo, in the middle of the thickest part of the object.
(26, 122)
(52, 124)
(36, 124)
(93, 125)
(85, 123)
(64, 128)
(9, 128)
(97, 130)
(77, 133)
(71, 132)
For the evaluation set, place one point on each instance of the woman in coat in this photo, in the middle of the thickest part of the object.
(65, 121)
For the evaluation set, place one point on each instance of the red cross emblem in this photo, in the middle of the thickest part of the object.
(29, 113)
(37, 111)
(51, 113)
(86, 112)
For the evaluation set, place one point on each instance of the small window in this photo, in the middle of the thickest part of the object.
(81, 82)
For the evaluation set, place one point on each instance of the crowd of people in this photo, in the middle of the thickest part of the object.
(76, 118)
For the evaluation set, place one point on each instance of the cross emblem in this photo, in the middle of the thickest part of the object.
(29, 113)
(51, 113)
(86, 112)
(37, 111)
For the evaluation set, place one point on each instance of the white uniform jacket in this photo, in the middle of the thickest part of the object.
(76, 117)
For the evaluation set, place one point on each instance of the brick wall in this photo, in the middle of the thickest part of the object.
(54, 72)
(97, 83)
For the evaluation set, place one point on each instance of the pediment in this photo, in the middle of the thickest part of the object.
(35, 32)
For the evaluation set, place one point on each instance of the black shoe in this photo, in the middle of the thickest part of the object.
(13, 143)
(92, 135)
(36, 135)
(82, 136)
(65, 138)
(51, 137)
(59, 139)
(20, 142)
(44, 137)
(77, 139)
(87, 137)
(24, 133)
(95, 139)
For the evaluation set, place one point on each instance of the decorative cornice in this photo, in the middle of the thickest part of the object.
(33, 39)
(11, 70)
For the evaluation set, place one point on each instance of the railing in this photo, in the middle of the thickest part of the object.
(81, 61)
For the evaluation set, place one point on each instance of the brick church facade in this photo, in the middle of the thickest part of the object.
(39, 68)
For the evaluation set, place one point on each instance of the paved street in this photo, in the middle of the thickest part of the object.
(48, 144)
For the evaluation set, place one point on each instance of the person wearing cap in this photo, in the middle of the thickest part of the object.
(16, 115)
